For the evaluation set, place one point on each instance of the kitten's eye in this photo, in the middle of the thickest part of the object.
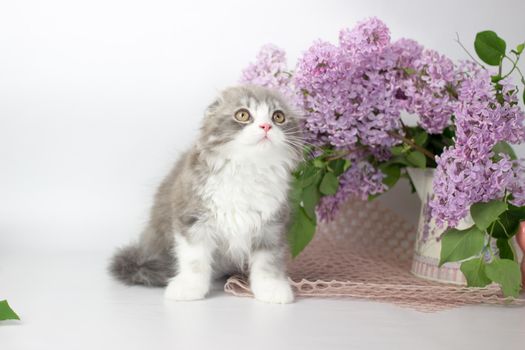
(242, 115)
(278, 117)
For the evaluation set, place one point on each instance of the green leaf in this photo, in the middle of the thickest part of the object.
(421, 138)
(371, 197)
(459, 245)
(296, 192)
(329, 184)
(484, 214)
(392, 174)
(506, 226)
(338, 166)
(490, 47)
(299, 170)
(319, 163)
(417, 159)
(519, 212)
(301, 232)
(347, 165)
(507, 274)
(505, 249)
(310, 199)
(399, 160)
(304, 171)
(495, 78)
(502, 228)
(6, 313)
(474, 271)
(505, 148)
(519, 48)
(397, 150)
(311, 175)
(449, 132)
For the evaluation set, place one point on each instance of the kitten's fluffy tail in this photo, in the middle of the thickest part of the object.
(134, 265)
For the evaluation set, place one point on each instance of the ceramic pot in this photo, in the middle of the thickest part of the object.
(520, 238)
(428, 245)
(428, 241)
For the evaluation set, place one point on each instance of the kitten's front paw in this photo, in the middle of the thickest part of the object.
(187, 288)
(272, 290)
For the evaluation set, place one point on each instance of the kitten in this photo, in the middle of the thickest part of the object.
(223, 208)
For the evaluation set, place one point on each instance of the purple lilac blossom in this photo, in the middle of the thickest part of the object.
(269, 70)
(459, 182)
(368, 36)
(349, 94)
(468, 172)
(426, 90)
(352, 95)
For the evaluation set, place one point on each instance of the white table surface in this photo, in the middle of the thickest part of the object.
(70, 302)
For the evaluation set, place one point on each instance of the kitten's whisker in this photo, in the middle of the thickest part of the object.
(298, 152)
(296, 143)
(300, 149)
(294, 129)
(299, 146)
(305, 143)
(297, 138)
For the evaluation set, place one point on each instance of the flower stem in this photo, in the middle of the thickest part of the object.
(465, 49)
(414, 145)
(339, 156)
(514, 66)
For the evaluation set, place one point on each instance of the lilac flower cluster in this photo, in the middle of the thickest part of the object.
(367, 37)
(459, 182)
(482, 120)
(349, 90)
(470, 172)
(427, 91)
(270, 70)
(353, 93)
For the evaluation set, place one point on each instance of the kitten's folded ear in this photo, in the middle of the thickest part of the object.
(212, 108)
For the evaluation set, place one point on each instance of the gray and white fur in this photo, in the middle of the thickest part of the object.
(224, 206)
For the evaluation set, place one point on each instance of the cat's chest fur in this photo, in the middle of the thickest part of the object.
(242, 196)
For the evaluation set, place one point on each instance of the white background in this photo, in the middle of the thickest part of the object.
(97, 98)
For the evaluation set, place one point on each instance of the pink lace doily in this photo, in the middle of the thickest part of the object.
(366, 253)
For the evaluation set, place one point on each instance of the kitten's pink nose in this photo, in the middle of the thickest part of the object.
(266, 127)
